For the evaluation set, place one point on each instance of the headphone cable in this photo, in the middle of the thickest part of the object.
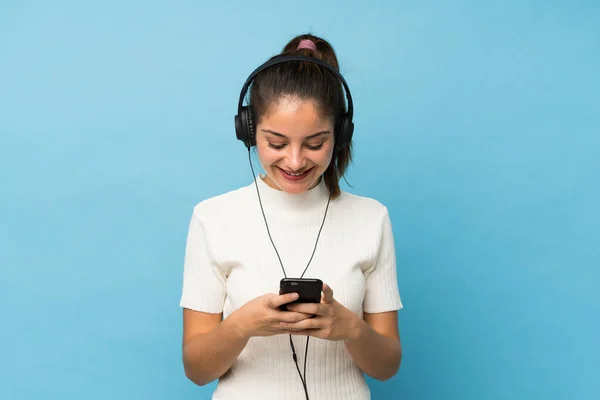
(294, 356)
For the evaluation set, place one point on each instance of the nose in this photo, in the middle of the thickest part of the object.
(296, 160)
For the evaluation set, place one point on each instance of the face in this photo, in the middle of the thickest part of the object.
(294, 145)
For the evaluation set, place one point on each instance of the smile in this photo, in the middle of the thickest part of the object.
(294, 176)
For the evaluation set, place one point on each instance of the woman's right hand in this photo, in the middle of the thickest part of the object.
(262, 317)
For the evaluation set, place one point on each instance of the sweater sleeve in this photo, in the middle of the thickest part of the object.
(204, 282)
(382, 293)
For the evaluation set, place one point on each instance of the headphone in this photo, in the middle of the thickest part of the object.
(245, 129)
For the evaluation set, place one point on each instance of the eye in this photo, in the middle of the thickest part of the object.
(317, 147)
(275, 146)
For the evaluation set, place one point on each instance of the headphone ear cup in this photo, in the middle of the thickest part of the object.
(244, 127)
(345, 131)
(251, 128)
(240, 130)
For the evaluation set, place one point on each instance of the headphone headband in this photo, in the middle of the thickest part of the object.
(286, 58)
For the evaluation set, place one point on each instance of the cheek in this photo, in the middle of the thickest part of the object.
(266, 155)
(324, 160)
(325, 157)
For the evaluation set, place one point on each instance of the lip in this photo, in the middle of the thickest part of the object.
(294, 178)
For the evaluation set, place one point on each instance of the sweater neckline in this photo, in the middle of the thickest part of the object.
(314, 199)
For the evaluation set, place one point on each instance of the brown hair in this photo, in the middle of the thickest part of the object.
(307, 81)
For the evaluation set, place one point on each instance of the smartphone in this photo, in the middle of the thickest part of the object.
(309, 290)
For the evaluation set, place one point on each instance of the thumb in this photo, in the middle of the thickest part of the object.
(327, 294)
(278, 300)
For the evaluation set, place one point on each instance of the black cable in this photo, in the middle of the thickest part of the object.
(294, 356)
(303, 379)
(305, 356)
(318, 235)
(263, 213)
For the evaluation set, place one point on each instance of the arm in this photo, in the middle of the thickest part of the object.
(375, 346)
(210, 345)
(373, 342)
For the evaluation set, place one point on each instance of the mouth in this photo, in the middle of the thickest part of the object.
(294, 176)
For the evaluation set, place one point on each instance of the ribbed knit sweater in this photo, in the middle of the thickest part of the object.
(230, 260)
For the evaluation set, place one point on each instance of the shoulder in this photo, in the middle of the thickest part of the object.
(222, 206)
(362, 206)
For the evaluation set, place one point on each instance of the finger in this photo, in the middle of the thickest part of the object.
(307, 324)
(292, 317)
(278, 300)
(327, 294)
(310, 308)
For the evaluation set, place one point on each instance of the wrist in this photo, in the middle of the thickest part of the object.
(237, 326)
(357, 329)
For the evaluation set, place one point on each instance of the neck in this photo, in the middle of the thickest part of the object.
(267, 179)
(314, 199)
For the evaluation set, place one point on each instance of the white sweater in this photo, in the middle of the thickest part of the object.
(229, 260)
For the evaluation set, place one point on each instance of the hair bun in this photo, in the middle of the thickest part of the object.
(307, 44)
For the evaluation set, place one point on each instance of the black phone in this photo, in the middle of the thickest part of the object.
(309, 290)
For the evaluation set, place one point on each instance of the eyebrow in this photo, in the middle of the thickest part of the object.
(314, 135)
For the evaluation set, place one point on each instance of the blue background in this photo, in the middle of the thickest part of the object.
(477, 124)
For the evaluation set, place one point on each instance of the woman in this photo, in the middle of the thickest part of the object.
(292, 221)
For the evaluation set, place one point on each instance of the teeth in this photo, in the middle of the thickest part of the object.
(294, 173)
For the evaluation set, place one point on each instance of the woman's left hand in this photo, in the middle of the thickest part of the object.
(332, 320)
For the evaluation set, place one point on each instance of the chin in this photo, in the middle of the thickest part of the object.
(295, 188)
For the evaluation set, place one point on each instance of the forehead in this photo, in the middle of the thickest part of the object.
(295, 116)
